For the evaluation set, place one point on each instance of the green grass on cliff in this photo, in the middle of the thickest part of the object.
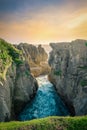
(8, 51)
(49, 123)
(8, 55)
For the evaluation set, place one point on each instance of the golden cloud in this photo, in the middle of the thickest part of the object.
(54, 25)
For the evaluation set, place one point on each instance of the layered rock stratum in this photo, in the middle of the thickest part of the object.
(68, 62)
(17, 85)
(36, 58)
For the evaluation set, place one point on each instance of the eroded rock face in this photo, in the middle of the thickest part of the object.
(18, 86)
(33, 54)
(36, 57)
(25, 87)
(18, 89)
(68, 62)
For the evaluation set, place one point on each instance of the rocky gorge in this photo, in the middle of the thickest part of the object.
(68, 62)
(67, 71)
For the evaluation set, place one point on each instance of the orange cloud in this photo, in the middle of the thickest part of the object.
(50, 25)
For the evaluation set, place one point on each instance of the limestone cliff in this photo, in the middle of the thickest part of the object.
(68, 63)
(17, 85)
(36, 58)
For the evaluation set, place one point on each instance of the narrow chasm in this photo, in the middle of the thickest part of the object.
(46, 103)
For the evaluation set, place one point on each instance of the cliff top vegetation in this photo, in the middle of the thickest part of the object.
(49, 123)
(8, 54)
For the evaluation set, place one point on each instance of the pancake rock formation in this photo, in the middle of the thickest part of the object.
(36, 58)
(17, 85)
(68, 62)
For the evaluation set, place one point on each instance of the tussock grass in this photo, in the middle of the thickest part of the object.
(49, 123)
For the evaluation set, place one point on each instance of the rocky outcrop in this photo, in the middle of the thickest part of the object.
(68, 62)
(32, 53)
(36, 57)
(17, 85)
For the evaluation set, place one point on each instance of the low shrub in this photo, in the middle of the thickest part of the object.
(83, 83)
(58, 73)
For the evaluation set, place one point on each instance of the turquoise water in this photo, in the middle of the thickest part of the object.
(46, 103)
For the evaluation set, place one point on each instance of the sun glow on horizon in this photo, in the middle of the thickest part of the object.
(48, 24)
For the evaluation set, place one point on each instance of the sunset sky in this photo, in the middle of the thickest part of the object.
(43, 21)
